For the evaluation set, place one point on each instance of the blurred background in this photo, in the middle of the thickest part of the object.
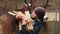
(9, 5)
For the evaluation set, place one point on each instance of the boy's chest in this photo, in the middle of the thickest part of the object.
(36, 22)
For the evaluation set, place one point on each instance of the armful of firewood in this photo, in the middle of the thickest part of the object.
(19, 15)
(30, 22)
(27, 14)
(11, 13)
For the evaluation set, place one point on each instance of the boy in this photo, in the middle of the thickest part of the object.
(38, 15)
